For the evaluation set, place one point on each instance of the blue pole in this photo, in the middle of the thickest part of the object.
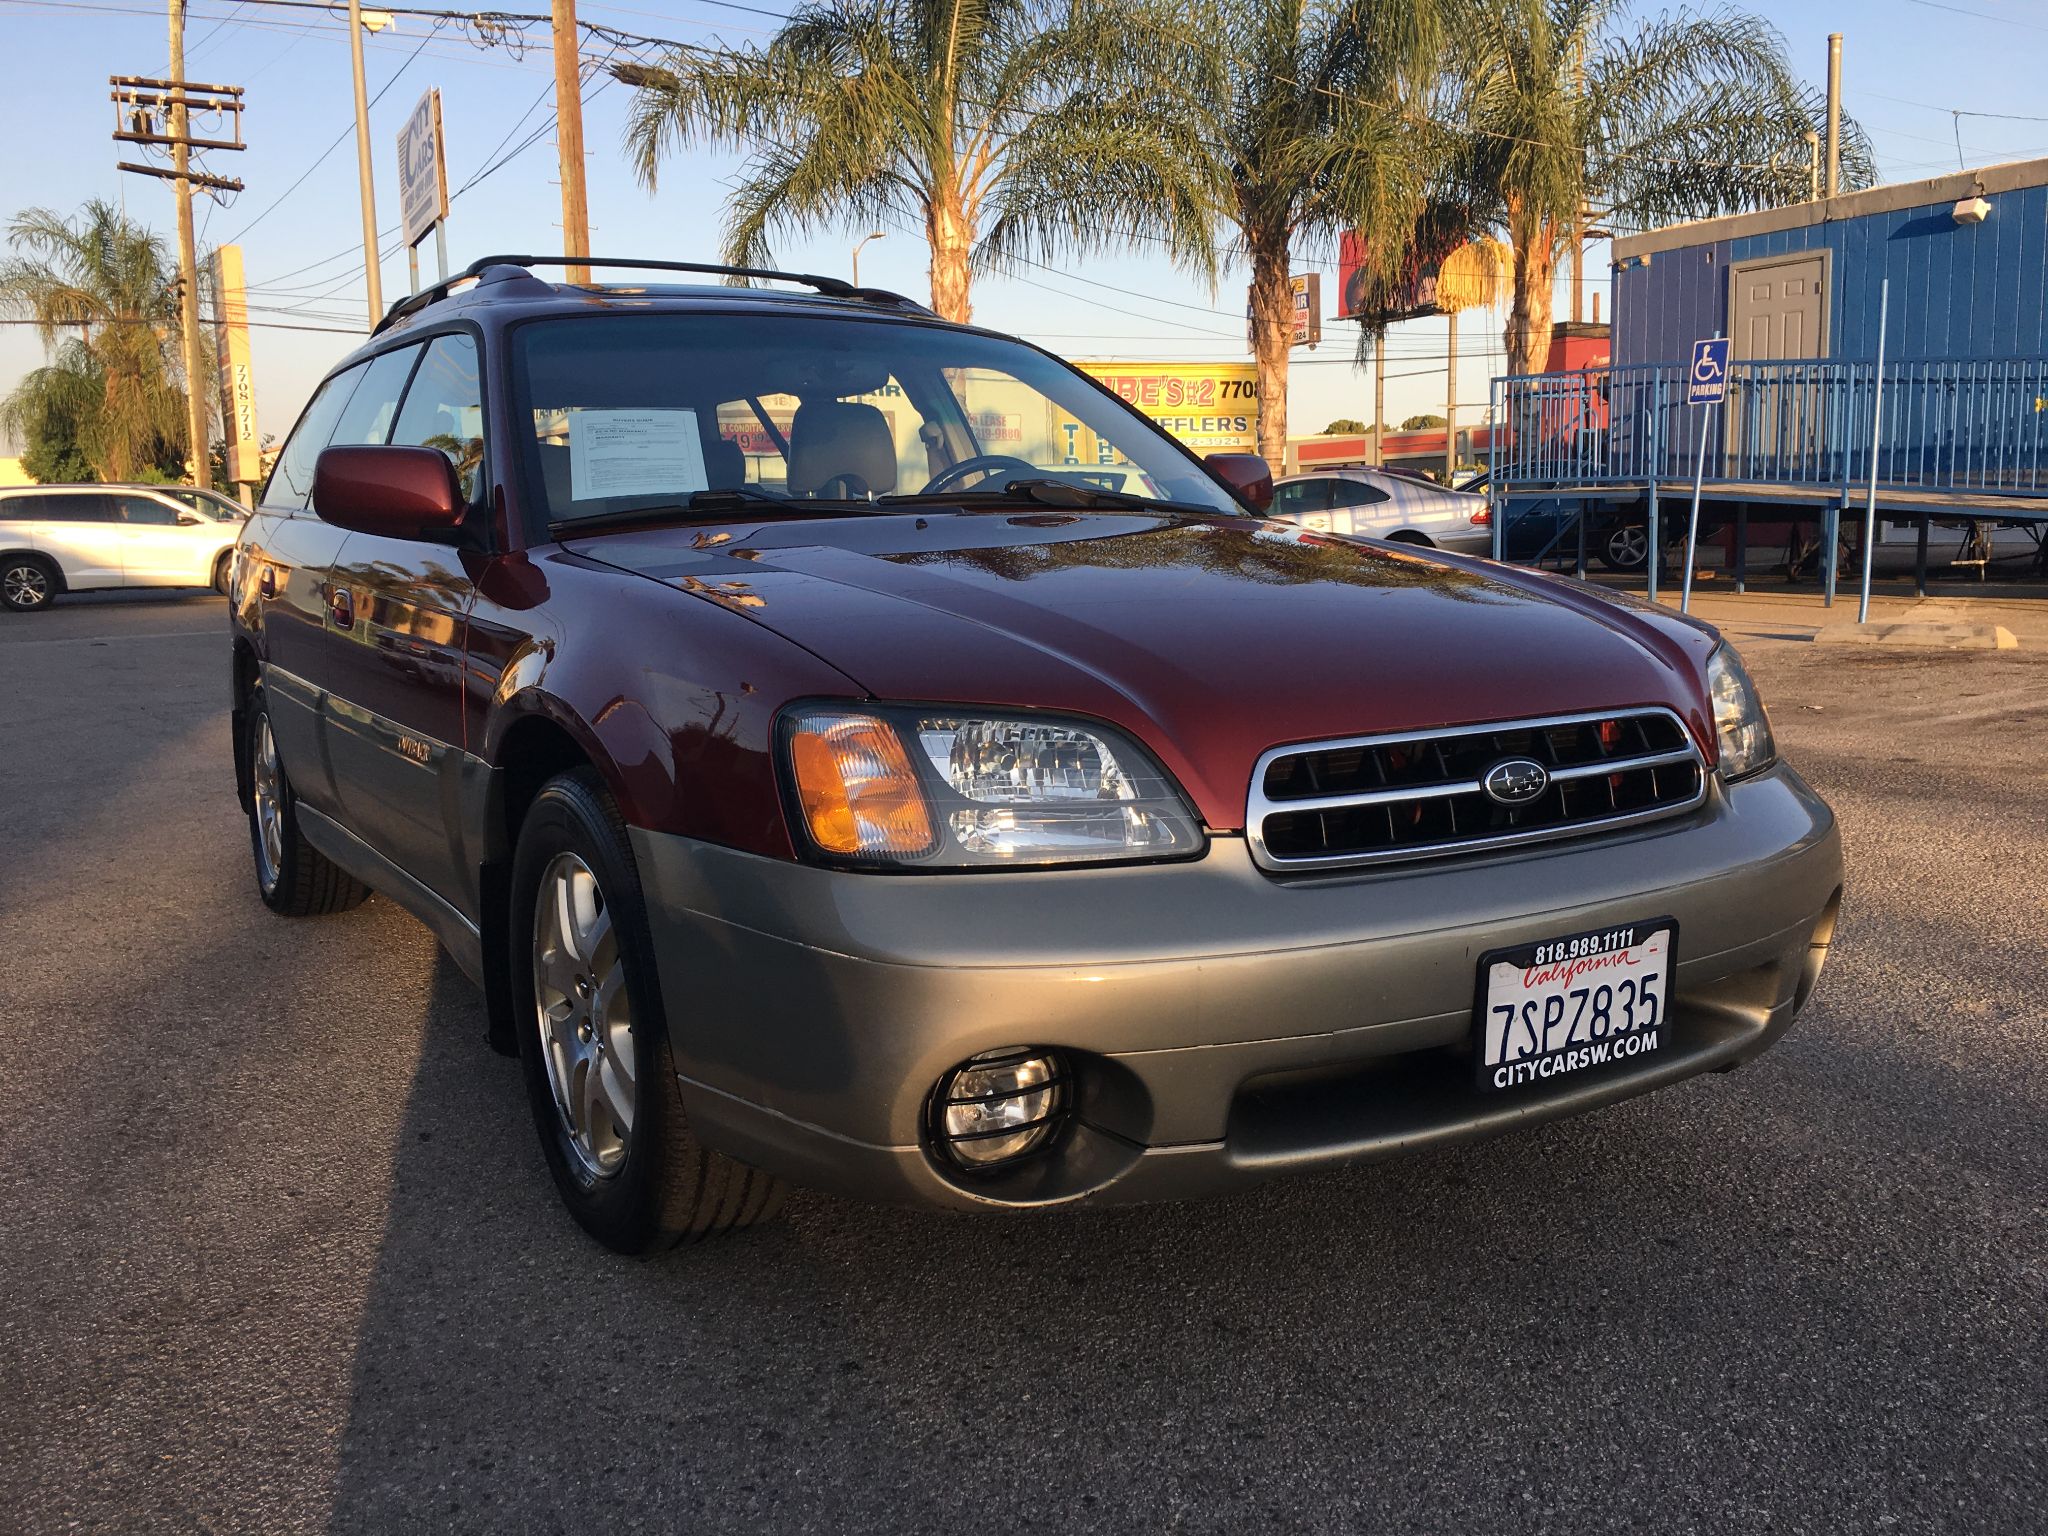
(1500, 391)
(1692, 528)
(1884, 293)
(1656, 467)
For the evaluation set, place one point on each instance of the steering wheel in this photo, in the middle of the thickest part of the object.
(980, 464)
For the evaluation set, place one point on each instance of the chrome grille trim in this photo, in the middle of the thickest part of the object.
(1261, 805)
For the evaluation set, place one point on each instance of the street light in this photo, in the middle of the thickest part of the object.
(880, 234)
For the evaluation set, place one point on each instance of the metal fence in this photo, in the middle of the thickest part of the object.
(1956, 425)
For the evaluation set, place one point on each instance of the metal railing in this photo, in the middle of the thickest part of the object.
(1963, 425)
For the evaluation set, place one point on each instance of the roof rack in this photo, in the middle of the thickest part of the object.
(831, 287)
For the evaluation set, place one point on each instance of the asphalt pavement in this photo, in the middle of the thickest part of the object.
(278, 1251)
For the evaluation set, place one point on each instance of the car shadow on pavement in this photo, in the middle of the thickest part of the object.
(1608, 1315)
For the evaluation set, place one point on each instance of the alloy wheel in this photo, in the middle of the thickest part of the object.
(1629, 545)
(584, 1014)
(25, 585)
(268, 792)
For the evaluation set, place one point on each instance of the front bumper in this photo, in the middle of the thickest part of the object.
(1226, 1024)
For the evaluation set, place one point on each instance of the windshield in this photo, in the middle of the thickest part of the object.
(645, 411)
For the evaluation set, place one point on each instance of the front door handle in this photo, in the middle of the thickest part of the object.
(341, 606)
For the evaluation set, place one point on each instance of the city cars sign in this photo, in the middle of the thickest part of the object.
(422, 170)
(1213, 407)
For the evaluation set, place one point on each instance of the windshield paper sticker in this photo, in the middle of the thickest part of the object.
(634, 453)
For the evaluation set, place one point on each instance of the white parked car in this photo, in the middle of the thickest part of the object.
(1380, 505)
(76, 538)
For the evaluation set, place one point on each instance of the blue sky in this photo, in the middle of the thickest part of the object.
(1909, 65)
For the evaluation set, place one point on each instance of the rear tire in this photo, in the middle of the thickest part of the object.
(27, 583)
(294, 878)
(593, 1038)
(1625, 547)
(221, 568)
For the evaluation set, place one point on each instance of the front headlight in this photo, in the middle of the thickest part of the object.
(943, 789)
(1739, 719)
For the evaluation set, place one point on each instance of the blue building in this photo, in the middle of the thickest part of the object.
(1967, 256)
(1952, 426)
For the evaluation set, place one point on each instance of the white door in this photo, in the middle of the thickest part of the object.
(1775, 418)
(1778, 306)
(164, 544)
(80, 531)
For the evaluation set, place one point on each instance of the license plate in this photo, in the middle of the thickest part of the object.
(1574, 1003)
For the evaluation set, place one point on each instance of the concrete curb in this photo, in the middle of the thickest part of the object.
(1922, 634)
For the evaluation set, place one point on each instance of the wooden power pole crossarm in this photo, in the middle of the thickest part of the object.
(188, 261)
(569, 138)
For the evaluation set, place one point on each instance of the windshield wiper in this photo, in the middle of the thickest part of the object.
(1055, 493)
(731, 498)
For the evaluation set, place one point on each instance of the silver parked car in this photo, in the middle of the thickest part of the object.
(1380, 505)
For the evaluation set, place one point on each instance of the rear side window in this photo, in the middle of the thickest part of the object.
(444, 409)
(84, 507)
(1355, 493)
(291, 482)
(367, 416)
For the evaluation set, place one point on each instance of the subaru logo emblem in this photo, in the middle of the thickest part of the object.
(1516, 781)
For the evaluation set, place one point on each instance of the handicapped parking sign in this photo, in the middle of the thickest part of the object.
(1707, 384)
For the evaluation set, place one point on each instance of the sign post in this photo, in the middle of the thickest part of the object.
(1706, 386)
(1884, 299)
(423, 183)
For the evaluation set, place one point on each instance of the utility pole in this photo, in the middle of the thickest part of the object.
(188, 259)
(1451, 402)
(372, 266)
(157, 114)
(1379, 399)
(1834, 181)
(569, 138)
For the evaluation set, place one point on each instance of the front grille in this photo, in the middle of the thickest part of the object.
(1422, 794)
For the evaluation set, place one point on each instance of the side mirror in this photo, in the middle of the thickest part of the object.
(1245, 473)
(400, 493)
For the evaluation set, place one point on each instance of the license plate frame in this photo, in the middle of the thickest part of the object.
(1577, 956)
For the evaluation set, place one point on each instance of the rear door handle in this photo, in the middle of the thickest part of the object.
(341, 604)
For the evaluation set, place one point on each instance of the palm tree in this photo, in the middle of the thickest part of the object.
(1003, 128)
(1565, 114)
(1313, 133)
(101, 291)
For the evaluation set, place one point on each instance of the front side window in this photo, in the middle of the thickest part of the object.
(290, 485)
(646, 410)
(147, 511)
(1299, 496)
(15, 509)
(444, 408)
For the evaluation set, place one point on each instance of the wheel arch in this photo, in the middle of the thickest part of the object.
(537, 742)
(49, 563)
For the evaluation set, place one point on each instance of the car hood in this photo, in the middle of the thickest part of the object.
(1210, 639)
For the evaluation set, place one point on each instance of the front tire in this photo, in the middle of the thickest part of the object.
(600, 1076)
(294, 878)
(27, 583)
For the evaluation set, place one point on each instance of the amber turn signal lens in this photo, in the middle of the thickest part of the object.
(856, 788)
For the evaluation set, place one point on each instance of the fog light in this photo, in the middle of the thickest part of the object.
(1000, 1106)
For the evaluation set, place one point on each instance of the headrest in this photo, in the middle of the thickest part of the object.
(833, 438)
(725, 465)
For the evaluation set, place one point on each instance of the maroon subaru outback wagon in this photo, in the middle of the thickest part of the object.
(859, 750)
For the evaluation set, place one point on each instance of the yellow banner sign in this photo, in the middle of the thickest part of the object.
(1209, 406)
